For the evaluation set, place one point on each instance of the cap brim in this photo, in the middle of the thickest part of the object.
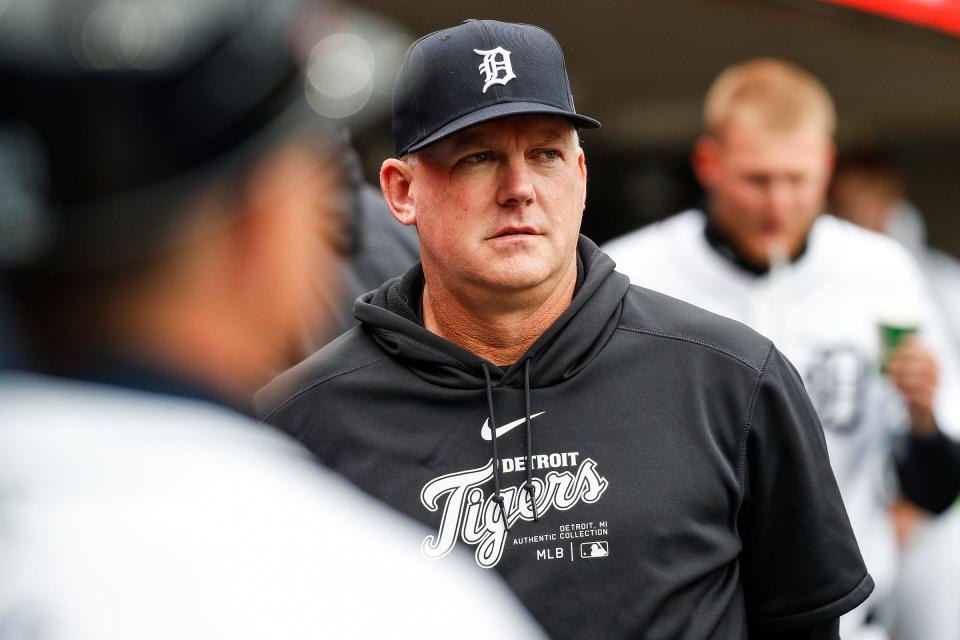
(501, 110)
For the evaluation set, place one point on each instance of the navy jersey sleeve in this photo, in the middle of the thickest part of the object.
(929, 471)
(800, 564)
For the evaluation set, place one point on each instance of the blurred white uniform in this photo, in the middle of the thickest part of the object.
(928, 595)
(132, 515)
(822, 311)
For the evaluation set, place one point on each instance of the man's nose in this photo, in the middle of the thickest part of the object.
(516, 183)
(780, 195)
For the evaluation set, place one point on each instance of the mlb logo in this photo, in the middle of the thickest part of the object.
(598, 549)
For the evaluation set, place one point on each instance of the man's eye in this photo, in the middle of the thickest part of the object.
(476, 158)
(549, 154)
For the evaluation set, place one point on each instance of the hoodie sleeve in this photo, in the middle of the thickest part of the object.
(800, 563)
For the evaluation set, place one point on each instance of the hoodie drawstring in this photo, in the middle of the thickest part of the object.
(493, 444)
(528, 486)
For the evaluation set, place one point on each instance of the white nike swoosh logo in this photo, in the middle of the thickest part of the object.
(485, 429)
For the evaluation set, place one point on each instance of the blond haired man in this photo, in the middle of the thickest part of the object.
(762, 253)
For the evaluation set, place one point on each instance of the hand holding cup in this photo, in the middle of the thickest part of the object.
(914, 371)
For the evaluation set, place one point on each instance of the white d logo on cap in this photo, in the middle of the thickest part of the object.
(496, 67)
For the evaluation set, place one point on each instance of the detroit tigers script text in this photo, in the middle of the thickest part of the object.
(471, 515)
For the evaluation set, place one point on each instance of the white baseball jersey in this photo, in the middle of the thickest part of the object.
(823, 312)
(928, 593)
(133, 515)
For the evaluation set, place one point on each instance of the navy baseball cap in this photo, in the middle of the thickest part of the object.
(478, 71)
(102, 137)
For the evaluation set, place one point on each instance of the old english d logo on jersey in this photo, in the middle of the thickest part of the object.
(837, 379)
(496, 67)
(471, 514)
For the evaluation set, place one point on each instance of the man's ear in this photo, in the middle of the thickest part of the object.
(582, 166)
(705, 159)
(289, 203)
(831, 161)
(396, 178)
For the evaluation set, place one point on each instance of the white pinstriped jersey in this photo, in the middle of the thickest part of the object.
(136, 515)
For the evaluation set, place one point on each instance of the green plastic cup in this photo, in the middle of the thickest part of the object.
(891, 335)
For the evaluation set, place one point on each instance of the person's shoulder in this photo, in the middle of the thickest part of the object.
(352, 353)
(37, 409)
(650, 313)
(652, 236)
(91, 439)
(105, 460)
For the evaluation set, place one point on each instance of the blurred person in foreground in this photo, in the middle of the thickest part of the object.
(632, 465)
(868, 190)
(166, 194)
(761, 252)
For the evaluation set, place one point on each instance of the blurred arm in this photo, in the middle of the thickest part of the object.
(930, 471)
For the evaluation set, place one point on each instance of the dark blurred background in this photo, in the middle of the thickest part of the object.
(642, 69)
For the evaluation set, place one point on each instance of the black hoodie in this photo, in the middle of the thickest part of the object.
(680, 478)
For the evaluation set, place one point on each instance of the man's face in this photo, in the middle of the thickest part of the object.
(766, 188)
(498, 206)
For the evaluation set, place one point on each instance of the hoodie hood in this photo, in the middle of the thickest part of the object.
(391, 314)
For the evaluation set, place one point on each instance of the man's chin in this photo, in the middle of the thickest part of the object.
(513, 279)
(758, 255)
(762, 257)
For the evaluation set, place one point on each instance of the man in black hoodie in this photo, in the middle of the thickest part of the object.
(632, 465)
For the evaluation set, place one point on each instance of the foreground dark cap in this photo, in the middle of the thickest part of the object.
(113, 110)
(478, 71)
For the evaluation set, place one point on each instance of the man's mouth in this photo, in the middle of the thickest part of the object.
(515, 231)
(771, 227)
